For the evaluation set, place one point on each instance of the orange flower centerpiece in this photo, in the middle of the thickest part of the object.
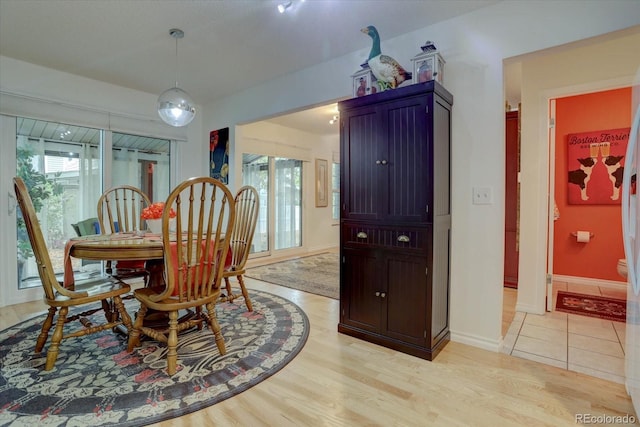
(153, 215)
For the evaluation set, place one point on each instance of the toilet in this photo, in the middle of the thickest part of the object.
(622, 267)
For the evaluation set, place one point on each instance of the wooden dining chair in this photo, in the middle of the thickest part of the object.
(107, 291)
(119, 211)
(87, 227)
(194, 258)
(247, 208)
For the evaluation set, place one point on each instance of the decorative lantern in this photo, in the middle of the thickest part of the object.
(364, 82)
(428, 64)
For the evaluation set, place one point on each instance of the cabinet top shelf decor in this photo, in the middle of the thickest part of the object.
(401, 92)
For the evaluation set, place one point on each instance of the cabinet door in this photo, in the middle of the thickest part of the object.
(361, 177)
(406, 298)
(360, 289)
(407, 161)
(386, 161)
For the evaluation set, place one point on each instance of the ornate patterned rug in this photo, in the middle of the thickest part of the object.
(317, 274)
(96, 382)
(592, 306)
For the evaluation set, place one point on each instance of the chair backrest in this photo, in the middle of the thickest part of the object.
(194, 261)
(122, 207)
(36, 238)
(247, 209)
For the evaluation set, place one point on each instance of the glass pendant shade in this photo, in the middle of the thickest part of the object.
(175, 107)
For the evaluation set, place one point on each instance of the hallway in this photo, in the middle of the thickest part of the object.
(577, 343)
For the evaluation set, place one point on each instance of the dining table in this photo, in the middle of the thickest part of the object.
(118, 246)
(132, 246)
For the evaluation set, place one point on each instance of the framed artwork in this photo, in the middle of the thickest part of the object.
(595, 164)
(364, 83)
(219, 155)
(322, 171)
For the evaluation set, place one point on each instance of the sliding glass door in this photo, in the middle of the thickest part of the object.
(66, 172)
(63, 173)
(279, 183)
(287, 203)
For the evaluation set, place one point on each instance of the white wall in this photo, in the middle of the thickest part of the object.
(474, 47)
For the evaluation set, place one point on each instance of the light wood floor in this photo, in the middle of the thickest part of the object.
(337, 380)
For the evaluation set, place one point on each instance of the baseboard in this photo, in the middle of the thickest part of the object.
(476, 341)
(527, 308)
(589, 281)
(325, 248)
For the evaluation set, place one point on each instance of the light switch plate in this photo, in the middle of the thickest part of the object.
(482, 196)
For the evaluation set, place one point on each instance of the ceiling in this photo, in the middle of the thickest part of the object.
(228, 45)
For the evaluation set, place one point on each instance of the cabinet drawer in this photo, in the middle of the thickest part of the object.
(359, 235)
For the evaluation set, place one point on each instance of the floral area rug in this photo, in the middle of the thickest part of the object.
(96, 382)
(317, 274)
(592, 306)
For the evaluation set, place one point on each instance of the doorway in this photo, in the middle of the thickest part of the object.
(512, 198)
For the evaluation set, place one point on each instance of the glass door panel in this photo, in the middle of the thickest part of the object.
(61, 167)
(142, 162)
(288, 203)
(255, 172)
(279, 183)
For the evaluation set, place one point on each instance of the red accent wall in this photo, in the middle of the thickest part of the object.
(598, 258)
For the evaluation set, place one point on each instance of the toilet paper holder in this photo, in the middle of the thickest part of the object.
(575, 234)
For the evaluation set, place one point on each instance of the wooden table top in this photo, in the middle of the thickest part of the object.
(120, 246)
(117, 246)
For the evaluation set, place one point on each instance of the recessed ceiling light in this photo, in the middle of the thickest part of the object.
(284, 6)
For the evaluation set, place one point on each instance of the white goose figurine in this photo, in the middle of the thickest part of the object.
(387, 70)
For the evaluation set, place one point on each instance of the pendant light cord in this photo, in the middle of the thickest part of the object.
(176, 61)
(176, 33)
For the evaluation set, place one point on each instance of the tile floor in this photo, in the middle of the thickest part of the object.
(577, 343)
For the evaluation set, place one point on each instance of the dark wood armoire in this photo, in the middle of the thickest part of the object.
(395, 187)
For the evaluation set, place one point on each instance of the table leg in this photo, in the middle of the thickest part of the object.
(155, 267)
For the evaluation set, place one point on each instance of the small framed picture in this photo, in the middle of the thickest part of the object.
(361, 85)
(364, 83)
(322, 189)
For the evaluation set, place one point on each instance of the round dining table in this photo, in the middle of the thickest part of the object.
(129, 246)
(105, 247)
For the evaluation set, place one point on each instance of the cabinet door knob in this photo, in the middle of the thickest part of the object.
(378, 162)
(377, 294)
(361, 235)
(383, 295)
(384, 162)
(403, 238)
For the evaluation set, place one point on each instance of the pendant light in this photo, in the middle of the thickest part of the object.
(175, 106)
